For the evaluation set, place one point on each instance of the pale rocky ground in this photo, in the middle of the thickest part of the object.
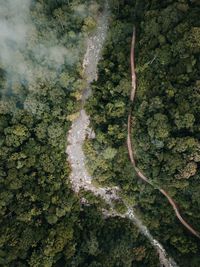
(80, 178)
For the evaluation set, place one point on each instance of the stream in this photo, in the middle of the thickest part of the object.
(79, 177)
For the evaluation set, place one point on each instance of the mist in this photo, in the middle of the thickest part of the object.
(25, 56)
(13, 30)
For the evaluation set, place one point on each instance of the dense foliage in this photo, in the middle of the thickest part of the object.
(36, 200)
(42, 221)
(165, 118)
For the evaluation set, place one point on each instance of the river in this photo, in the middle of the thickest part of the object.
(80, 178)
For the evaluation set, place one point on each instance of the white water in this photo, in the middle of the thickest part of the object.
(80, 178)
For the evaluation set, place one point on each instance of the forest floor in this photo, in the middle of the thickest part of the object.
(80, 178)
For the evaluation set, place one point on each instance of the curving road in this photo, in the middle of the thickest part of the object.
(131, 149)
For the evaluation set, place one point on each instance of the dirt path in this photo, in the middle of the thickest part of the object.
(131, 149)
(80, 178)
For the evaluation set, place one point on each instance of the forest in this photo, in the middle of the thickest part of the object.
(43, 222)
(165, 125)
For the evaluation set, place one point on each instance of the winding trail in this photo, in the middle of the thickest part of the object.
(80, 178)
(131, 149)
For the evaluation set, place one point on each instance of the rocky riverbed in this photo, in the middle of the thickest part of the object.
(80, 178)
